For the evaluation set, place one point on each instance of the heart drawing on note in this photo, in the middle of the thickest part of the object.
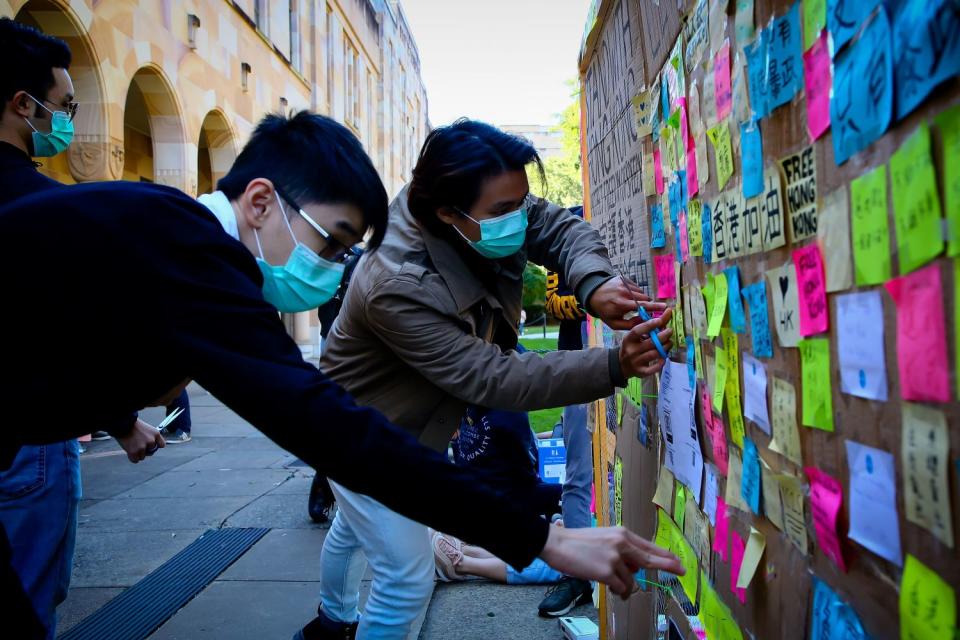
(784, 285)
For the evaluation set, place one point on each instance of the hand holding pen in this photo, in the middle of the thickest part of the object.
(644, 349)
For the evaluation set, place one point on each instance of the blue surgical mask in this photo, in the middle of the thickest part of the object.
(46, 145)
(501, 236)
(305, 282)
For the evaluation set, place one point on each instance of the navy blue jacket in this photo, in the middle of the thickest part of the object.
(104, 249)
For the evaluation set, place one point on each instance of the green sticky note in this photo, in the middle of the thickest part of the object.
(719, 379)
(928, 605)
(949, 125)
(815, 374)
(619, 409)
(814, 19)
(719, 305)
(670, 537)
(956, 316)
(708, 292)
(916, 204)
(680, 505)
(868, 227)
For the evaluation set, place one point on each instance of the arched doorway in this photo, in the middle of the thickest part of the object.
(154, 144)
(92, 155)
(216, 151)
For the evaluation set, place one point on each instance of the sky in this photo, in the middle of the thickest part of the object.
(502, 61)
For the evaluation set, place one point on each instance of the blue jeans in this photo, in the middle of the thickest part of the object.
(182, 421)
(538, 572)
(39, 499)
(575, 503)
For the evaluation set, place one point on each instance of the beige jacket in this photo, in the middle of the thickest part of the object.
(415, 336)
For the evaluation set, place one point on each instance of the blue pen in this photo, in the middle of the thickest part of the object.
(653, 334)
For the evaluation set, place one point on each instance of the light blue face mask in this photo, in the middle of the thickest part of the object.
(501, 236)
(46, 145)
(305, 282)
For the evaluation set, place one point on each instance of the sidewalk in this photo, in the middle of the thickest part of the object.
(133, 518)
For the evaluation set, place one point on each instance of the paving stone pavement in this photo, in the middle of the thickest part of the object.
(133, 518)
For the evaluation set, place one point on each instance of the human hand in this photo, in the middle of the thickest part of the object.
(141, 441)
(638, 354)
(616, 298)
(611, 555)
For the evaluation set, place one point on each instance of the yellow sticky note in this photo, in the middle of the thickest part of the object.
(722, 151)
(679, 505)
(756, 543)
(718, 305)
(732, 390)
(698, 352)
(664, 493)
(794, 523)
(833, 236)
(816, 386)
(916, 204)
(783, 413)
(719, 380)
(671, 538)
(924, 452)
(619, 410)
(772, 507)
(695, 227)
(928, 605)
(716, 616)
(734, 481)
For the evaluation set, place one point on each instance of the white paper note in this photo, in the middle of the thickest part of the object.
(755, 392)
(675, 409)
(863, 369)
(873, 501)
(711, 489)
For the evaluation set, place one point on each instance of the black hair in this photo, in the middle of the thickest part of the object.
(311, 159)
(29, 57)
(453, 164)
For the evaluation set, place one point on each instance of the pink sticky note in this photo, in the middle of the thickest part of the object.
(722, 530)
(658, 171)
(737, 546)
(816, 75)
(684, 133)
(921, 335)
(684, 238)
(666, 278)
(693, 180)
(721, 80)
(721, 452)
(814, 315)
(826, 494)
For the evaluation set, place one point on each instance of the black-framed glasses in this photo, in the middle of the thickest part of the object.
(70, 108)
(336, 251)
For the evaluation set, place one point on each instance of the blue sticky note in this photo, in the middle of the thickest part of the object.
(832, 617)
(673, 193)
(923, 60)
(756, 295)
(664, 98)
(862, 102)
(844, 18)
(756, 53)
(706, 231)
(684, 198)
(738, 321)
(750, 483)
(691, 363)
(752, 146)
(658, 238)
(784, 73)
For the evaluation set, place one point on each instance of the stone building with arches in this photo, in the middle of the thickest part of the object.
(169, 90)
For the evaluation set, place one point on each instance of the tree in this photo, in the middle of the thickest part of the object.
(564, 180)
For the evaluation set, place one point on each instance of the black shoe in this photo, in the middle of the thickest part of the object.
(564, 596)
(99, 435)
(323, 628)
(321, 500)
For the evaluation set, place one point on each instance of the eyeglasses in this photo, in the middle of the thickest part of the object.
(69, 107)
(335, 250)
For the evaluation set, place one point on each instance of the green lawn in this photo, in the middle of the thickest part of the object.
(539, 344)
(544, 419)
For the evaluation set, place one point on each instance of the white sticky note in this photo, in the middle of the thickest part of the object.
(863, 369)
(711, 489)
(755, 392)
(873, 501)
(675, 410)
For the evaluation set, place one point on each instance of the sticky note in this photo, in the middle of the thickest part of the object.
(928, 605)
(756, 54)
(664, 267)
(721, 81)
(721, 532)
(693, 179)
(756, 297)
(723, 151)
(732, 392)
(671, 538)
(949, 124)
(647, 177)
(786, 437)
(737, 548)
(751, 146)
(738, 320)
(750, 480)
(772, 507)
(845, 17)
(927, 52)
(718, 622)
(755, 392)
(833, 236)
(663, 497)
(816, 76)
(642, 112)
(691, 363)
(784, 61)
(794, 523)
(924, 452)
(707, 232)
(868, 226)
(771, 210)
(815, 369)
(695, 35)
(916, 204)
(695, 228)
(741, 102)
(717, 24)
(711, 492)
(826, 495)
(859, 114)
(832, 617)
(921, 335)
(720, 380)
(812, 290)
(743, 23)
(873, 501)
(684, 236)
(718, 438)
(814, 20)
(675, 411)
(719, 306)
(800, 177)
(679, 505)
(756, 544)
(733, 495)
(786, 304)
(657, 237)
(657, 171)
(696, 529)
(618, 490)
(956, 320)
(860, 346)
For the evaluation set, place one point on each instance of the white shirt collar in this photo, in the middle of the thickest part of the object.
(220, 206)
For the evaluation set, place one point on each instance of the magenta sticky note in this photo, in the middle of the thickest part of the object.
(812, 290)
(722, 530)
(666, 278)
(826, 496)
(657, 171)
(721, 80)
(921, 335)
(737, 546)
(693, 180)
(684, 237)
(816, 75)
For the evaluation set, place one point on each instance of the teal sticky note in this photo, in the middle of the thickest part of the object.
(844, 18)
(756, 53)
(738, 321)
(756, 297)
(784, 58)
(692, 363)
(750, 482)
(862, 103)
(706, 232)
(924, 61)
(751, 147)
(658, 238)
(832, 617)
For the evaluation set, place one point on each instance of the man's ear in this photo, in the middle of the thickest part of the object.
(448, 215)
(23, 105)
(256, 201)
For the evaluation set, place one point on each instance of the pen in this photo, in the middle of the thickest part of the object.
(646, 318)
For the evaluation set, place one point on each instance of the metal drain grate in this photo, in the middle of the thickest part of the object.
(141, 609)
